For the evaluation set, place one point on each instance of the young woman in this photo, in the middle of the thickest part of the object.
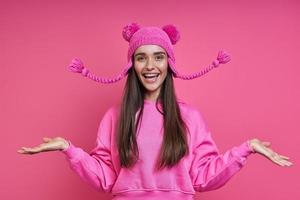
(153, 145)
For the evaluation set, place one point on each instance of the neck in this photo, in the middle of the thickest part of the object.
(152, 96)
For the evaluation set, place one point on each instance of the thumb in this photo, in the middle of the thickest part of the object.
(267, 143)
(46, 139)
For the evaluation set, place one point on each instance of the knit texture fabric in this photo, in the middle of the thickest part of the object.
(165, 37)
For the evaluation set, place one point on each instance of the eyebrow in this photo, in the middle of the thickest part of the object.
(155, 53)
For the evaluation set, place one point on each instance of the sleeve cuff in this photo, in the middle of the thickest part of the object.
(72, 153)
(245, 149)
(249, 146)
(64, 150)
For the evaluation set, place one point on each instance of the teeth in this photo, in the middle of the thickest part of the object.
(150, 75)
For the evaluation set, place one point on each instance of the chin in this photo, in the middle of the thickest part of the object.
(151, 88)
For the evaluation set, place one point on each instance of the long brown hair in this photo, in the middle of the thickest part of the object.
(174, 146)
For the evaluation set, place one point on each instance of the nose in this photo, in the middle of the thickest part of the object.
(150, 64)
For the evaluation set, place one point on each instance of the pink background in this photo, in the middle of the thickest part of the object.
(255, 95)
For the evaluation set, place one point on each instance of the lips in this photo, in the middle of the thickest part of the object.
(150, 77)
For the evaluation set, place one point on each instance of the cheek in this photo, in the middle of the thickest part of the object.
(164, 68)
(138, 68)
(164, 73)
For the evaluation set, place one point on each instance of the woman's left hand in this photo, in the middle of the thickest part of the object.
(264, 149)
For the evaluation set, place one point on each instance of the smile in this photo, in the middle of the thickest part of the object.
(151, 77)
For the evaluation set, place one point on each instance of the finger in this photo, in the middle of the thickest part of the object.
(20, 151)
(285, 162)
(32, 150)
(26, 149)
(282, 161)
(277, 154)
(275, 159)
(24, 152)
(284, 157)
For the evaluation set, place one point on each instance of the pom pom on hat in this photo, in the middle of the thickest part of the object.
(129, 30)
(172, 32)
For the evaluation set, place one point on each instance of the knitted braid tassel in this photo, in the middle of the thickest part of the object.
(78, 67)
(222, 58)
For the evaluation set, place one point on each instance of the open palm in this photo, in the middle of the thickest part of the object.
(264, 149)
(49, 144)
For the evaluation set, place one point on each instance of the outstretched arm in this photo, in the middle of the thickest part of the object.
(211, 170)
(94, 168)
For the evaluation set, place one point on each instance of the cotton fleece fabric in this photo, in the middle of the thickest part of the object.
(204, 169)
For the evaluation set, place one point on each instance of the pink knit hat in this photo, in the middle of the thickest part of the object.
(166, 37)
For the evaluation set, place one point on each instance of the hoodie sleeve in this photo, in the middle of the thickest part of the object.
(210, 170)
(96, 167)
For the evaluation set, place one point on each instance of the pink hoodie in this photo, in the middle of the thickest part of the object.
(203, 169)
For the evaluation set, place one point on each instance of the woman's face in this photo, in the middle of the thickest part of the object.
(151, 66)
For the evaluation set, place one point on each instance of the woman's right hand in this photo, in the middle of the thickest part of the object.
(50, 144)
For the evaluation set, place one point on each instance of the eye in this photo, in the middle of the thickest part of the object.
(140, 58)
(160, 57)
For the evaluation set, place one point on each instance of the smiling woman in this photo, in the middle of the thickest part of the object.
(154, 146)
